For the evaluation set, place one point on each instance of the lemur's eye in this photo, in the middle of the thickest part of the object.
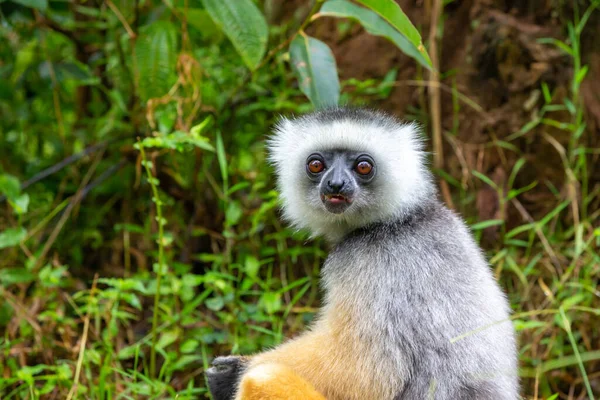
(315, 166)
(364, 168)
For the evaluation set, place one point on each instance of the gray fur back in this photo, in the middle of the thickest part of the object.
(415, 284)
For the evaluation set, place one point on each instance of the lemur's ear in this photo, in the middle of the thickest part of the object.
(275, 382)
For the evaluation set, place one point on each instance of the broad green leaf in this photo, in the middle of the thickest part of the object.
(375, 25)
(314, 66)
(12, 237)
(41, 5)
(243, 24)
(156, 58)
(201, 20)
(9, 186)
(10, 276)
(392, 13)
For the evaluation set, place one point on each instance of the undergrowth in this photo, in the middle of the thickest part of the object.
(139, 224)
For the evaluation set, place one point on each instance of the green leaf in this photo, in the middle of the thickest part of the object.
(10, 276)
(167, 338)
(76, 71)
(201, 20)
(375, 25)
(179, 141)
(25, 57)
(485, 179)
(244, 25)
(487, 224)
(215, 303)
(390, 11)
(222, 158)
(9, 186)
(156, 57)
(20, 203)
(41, 5)
(314, 66)
(12, 237)
(251, 266)
(233, 213)
(270, 302)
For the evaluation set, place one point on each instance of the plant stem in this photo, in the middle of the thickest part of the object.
(161, 255)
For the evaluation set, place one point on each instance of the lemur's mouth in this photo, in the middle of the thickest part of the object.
(337, 199)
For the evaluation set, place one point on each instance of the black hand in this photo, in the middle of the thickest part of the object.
(224, 376)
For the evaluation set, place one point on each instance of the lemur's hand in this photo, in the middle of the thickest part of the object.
(224, 376)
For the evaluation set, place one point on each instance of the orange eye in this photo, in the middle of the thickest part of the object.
(315, 166)
(364, 168)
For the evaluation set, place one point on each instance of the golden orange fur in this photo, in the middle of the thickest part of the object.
(328, 358)
(274, 381)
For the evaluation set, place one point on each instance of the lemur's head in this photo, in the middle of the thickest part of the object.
(340, 169)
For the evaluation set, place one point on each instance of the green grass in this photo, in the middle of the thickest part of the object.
(134, 263)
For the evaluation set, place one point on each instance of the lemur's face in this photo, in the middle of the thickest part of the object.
(340, 179)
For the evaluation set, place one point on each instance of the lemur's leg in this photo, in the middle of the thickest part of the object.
(230, 377)
(275, 381)
(279, 373)
(329, 360)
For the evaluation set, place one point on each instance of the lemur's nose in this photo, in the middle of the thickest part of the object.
(336, 185)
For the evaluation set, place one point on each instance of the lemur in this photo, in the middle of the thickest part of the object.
(411, 308)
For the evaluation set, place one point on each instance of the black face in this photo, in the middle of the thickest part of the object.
(340, 176)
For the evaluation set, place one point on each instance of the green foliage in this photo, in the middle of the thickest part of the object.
(139, 226)
(375, 25)
(315, 68)
(392, 13)
(243, 24)
(155, 59)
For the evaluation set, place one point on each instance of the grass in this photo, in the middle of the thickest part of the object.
(130, 267)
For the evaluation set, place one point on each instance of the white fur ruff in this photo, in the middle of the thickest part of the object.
(403, 179)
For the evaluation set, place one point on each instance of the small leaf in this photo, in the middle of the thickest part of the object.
(215, 303)
(199, 128)
(9, 186)
(392, 13)
(167, 338)
(485, 179)
(41, 5)
(156, 57)
(233, 213)
(20, 204)
(375, 25)
(486, 224)
(10, 276)
(251, 266)
(12, 237)
(271, 302)
(189, 346)
(244, 25)
(222, 158)
(314, 66)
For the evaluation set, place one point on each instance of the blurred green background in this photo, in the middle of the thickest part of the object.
(132, 159)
